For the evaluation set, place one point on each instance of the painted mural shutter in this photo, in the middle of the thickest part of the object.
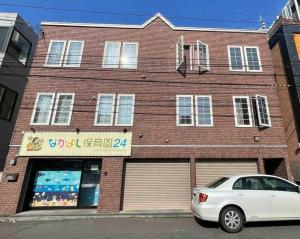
(297, 43)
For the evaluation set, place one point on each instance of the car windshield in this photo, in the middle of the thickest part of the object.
(217, 182)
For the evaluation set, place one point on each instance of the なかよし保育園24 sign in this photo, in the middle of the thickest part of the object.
(76, 144)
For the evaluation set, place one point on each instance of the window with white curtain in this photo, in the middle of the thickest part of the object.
(125, 110)
(63, 109)
(242, 111)
(42, 109)
(105, 110)
(74, 53)
(184, 110)
(123, 55)
(204, 115)
(200, 56)
(55, 53)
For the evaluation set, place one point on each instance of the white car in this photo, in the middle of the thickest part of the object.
(232, 201)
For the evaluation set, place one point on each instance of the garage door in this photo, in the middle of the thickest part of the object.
(152, 185)
(210, 170)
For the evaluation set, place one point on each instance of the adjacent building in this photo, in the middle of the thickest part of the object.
(17, 45)
(132, 117)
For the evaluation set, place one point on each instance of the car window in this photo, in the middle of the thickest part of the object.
(248, 183)
(217, 182)
(275, 184)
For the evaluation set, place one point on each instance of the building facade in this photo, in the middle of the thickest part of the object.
(132, 117)
(17, 46)
(284, 41)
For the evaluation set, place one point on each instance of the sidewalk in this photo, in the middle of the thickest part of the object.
(75, 214)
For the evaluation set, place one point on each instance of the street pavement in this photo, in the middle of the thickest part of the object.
(145, 228)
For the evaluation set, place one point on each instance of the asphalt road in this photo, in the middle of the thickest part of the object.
(154, 228)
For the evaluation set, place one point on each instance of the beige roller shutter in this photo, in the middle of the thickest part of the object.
(210, 170)
(152, 185)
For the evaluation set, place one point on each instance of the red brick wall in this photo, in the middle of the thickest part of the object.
(155, 108)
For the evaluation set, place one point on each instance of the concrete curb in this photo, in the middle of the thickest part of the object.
(19, 218)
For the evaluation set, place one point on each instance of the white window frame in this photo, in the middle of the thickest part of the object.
(55, 109)
(179, 62)
(67, 53)
(97, 110)
(247, 61)
(104, 55)
(136, 55)
(62, 56)
(267, 108)
(211, 111)
(235, 112)
(242, 56)
(177, 111)
(35, 107)
(118, 106)
(207, 52)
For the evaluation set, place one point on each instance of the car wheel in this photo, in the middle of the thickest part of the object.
(232, 219)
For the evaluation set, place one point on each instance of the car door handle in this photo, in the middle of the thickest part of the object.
(273, 195)
(240, 195)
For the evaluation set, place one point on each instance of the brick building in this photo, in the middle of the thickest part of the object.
(132, 117)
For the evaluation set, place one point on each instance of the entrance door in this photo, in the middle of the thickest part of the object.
(90, 184)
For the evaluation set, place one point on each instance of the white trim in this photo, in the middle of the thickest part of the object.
(67, 53)
(242, 56)
(247, 61)
(235, 113)
(177, 110)
(212, 146)
(55, 109)
(104, 55)
(158, 15)
(136, 55)
(35, 106)
(207, 55)
(211, 111)
(267, 109)
(132, 112)
(62, 55)
(97, 110)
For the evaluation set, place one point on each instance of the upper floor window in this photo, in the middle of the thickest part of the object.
(184, 110)
(3, 37)
(8, 100)
(120, 55)
(204, 113)
(19, 47)
(58, 56)
(62, 110)
(106, 106)
(256, 110)
(239, 57)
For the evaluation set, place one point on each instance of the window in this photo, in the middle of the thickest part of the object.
(115, 57)
(125, 110)
(236, 58)
(200, 56)
(63, 109)
(74, 53)
(248, 183)
(105, 110)
(204, 113)
(19, 47)
(242, 113)
(55, 53)
(239, 56)
(179, 53)
(184, 110)
(42, 109)
(263, 111)
(275, 184)
(129, 55)
(3, 37)
(252, 59)
(58, 55)
(8, 100)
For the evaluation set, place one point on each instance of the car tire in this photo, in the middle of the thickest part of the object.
(232, 219)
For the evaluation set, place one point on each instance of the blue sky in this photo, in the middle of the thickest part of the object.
(240, 14)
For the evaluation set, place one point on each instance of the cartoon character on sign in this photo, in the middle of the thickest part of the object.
(35, 144)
